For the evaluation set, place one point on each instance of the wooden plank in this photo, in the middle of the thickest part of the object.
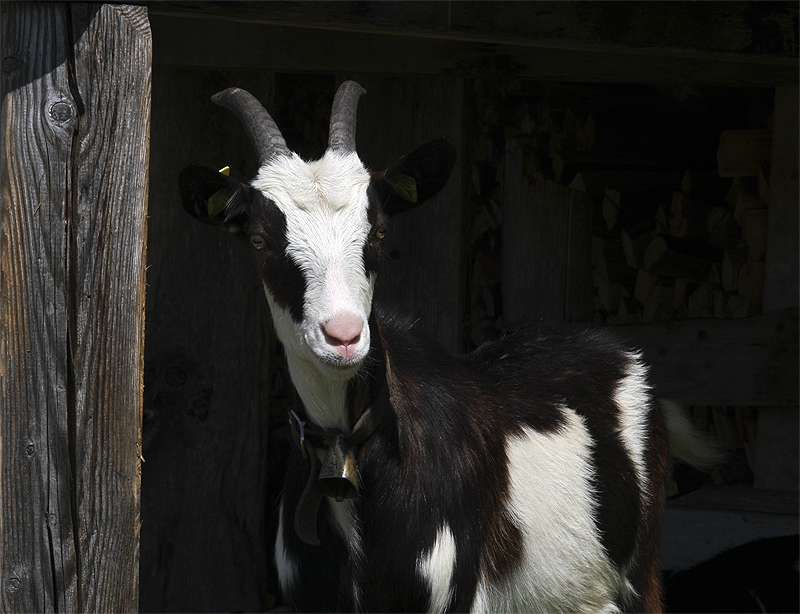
(704, 522)
(38, 566)
(721, 26)
(579, 300)
(690, 536)
(74, 201)
(546, 248)
(783, 246)
(187, 41)
(424, 275)
(107, 224)
(741, 153)
(744, 361)
(535, 219)
(205, 505)
(777, 447)
(741, 499)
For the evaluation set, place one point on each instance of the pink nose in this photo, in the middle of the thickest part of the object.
(343, 331)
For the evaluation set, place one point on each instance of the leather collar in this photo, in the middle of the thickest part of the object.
(310, 438)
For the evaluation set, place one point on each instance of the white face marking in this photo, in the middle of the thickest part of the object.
(437, 568)
(564, 566)
(325, 204)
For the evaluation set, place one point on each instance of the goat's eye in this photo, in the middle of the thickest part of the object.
(380, 232)
(258, 242)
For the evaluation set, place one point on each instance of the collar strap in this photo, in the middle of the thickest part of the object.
(338, 476)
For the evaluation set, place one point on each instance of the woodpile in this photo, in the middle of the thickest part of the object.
(666, 243)
(697, 256)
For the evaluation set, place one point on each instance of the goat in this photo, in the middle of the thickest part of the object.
(528, 475)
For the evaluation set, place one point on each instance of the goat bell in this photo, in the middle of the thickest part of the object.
(338, 476)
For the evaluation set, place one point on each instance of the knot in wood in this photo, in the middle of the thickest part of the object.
(10, 65)
(61, 112)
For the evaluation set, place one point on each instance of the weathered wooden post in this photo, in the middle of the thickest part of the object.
(73, 202)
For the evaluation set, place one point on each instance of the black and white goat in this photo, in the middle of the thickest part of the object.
(526, 476)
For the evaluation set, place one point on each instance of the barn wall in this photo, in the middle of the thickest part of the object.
(423, 272)
(207, 366)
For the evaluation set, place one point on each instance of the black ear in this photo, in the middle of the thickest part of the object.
(417, 176)
(213, 198)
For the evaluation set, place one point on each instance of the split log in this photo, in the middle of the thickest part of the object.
(688, 216)
(658, 305)
(645, 282)
(699, 303)
(680, 291)
(611, 200)
(634, 246)
(754, 229)
(662, 259)
(751, 284)
(732, 262)
(741, 197)
(723, 231)
(742, 152)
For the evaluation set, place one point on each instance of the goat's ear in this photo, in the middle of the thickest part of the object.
(213, 197)
(416, 177)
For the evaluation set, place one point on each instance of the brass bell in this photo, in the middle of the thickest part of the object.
(338, 476)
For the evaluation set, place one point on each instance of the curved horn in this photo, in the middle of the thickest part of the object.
(342, 135)
(259, 125)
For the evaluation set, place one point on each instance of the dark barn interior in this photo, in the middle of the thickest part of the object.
(601, 178)
(622, 164)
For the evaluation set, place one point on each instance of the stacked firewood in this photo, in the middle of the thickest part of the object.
(695, 256)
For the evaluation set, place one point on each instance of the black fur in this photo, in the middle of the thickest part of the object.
(280, 272)
(439, 457)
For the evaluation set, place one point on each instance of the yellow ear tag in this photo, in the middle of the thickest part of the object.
(216, 203)
(406, 188)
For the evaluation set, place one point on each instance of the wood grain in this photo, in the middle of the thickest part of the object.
(37, 551)
(107, 230)
(205, 507)
(424, 276)
(546, 239)
(214, 41)
(74, 179)
(743, 361)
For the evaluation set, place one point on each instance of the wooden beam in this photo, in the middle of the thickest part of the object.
(184, 39)
(782, 258)
(777, 447)
(705, 522)
(108, 236)
(73, 206)
(746, 361)
(727, 27)
(37, 552)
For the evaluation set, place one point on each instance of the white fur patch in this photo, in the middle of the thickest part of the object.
(564, 566)
(632, 397)
(437, 569)
(345, 519)
(286, 568)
